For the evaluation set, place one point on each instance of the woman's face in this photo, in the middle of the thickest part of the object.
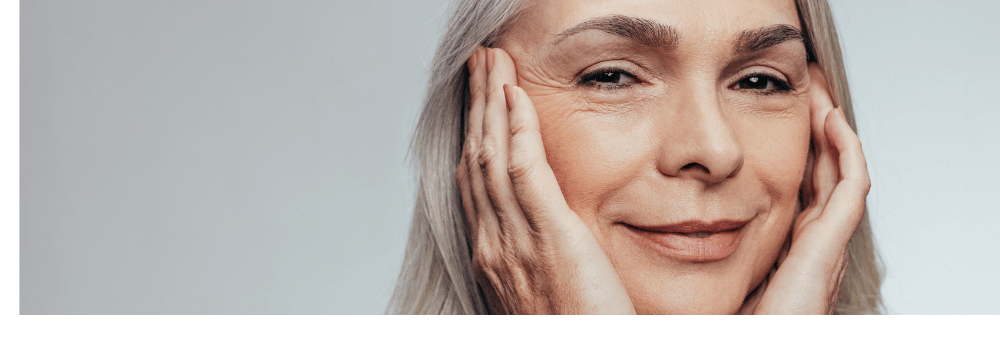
(678, 131)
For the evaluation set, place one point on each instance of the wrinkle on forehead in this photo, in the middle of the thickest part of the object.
(551, 21)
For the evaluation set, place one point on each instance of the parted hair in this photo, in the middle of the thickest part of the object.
(437, 276)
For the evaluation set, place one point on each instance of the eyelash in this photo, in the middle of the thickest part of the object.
(779, 85)
(590, 79)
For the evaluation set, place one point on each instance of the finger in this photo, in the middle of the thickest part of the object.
(485, 235)
(847, 203)
(825, 173)
(495, 151)
(838, 218)
(810, 275)
(537, 189)
(477, 89)
(468, 201)
(825, 176)
(820, 106)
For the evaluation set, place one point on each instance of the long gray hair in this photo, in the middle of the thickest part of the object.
(437, 276)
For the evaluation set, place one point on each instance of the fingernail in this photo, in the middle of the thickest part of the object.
(508, 93)
(489, 60)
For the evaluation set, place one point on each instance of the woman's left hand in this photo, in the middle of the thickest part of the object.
(808, 278)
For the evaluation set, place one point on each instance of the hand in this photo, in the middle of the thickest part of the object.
(808, 278)
(531, 253)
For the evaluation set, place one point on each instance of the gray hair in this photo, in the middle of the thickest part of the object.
(437, 276)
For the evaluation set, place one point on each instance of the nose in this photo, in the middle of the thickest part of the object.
(697, 141)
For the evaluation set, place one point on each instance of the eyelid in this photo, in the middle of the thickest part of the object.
(593, 73)
(762, 74)
(622, 63)
(622, 66)
(778, 78)
(777, 70)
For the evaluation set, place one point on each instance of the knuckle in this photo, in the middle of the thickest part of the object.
(517, 126)
(485, 258)
(862, 184)
(856, 143)
(477, 259)
(469, 153)
(488, 152)
(483, 244)
(520, 167)
(477, 94)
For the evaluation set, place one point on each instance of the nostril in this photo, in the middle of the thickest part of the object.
(695, 166)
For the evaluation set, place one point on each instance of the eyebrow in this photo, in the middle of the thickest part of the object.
(639, 30)
(752, 40)
(651, 33)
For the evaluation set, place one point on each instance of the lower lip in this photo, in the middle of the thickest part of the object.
(715, 246)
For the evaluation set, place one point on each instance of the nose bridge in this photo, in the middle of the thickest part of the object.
(699, 140)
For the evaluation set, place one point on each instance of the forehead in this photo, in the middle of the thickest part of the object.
(692, 18)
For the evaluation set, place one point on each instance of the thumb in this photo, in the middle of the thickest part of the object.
(535, 185)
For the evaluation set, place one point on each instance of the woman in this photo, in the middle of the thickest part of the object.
(639, 157)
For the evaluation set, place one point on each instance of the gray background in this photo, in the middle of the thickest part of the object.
(248, 157)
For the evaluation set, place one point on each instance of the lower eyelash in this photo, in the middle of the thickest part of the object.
(780, 86)
(590, 79)
(609, 87)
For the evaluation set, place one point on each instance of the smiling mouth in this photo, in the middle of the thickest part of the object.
(695, 241)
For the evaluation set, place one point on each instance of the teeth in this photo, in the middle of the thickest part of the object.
(698, 234)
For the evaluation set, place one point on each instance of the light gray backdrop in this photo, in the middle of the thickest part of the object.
(248, 157)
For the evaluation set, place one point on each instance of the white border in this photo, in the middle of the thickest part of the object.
(504, 332)
(10, 142)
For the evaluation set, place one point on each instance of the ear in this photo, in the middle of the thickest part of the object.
(820, 105)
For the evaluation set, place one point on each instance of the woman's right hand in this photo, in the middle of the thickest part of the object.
(531, 253)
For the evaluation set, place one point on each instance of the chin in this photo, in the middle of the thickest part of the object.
(690, 307)
(676, 298)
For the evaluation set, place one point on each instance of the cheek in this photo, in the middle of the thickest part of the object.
(591, 152)
(776, 150)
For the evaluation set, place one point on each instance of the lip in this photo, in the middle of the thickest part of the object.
(720, 239)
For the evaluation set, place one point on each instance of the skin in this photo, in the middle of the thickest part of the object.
(558, 164)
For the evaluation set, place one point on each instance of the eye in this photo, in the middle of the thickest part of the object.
(762, 83)
(612, 78)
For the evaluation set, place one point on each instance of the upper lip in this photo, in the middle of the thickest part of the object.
(695, 226)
